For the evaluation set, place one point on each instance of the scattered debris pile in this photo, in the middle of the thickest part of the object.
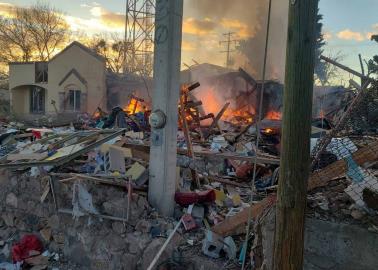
(83, 192)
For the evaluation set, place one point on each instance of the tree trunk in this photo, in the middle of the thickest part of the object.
(296, 128)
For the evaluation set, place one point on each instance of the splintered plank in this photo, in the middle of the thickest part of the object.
(228, 226)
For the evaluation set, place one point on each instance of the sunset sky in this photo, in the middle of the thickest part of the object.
(347, 24)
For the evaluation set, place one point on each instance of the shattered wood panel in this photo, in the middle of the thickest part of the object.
(364, 156)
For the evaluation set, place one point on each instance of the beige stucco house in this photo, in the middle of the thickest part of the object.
(72, 82)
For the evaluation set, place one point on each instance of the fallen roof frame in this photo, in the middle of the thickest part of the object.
(65, 159)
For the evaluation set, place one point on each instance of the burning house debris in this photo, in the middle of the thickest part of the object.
(104, 167)
(99, 172)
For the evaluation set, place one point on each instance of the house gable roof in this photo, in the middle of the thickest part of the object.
(82, 47)
(77, 74)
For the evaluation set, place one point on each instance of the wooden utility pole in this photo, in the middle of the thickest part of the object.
(296, 128)
(167, 58)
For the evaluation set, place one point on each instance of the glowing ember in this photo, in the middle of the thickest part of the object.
(273, 115)
(268, 130)
(188, 116)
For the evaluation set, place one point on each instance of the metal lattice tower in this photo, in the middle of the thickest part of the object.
(139, 36)
(229, 42)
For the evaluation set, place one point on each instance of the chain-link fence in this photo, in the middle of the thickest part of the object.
(349, 152)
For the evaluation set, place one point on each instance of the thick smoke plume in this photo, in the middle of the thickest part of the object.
(254, 14)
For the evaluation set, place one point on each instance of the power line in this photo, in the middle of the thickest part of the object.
(229, 42)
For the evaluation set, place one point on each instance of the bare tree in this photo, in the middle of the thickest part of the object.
(15, 41)
(47, 27)
(328, 72)
(32, 34)
(112, 48)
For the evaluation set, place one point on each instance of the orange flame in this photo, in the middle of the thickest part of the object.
(238, 116)
(134, 106)
(213, 103)
(273, 115)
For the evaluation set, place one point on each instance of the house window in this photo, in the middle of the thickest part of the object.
(41, 72)
(37, 100)
(74, 100)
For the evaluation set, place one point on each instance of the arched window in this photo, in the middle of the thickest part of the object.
(74, 100)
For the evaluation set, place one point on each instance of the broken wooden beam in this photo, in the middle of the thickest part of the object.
(207, 116)
(228, 226)
(193, 86)
(217, 118)
(189, 146)
(244, 74)
(333, 62)
(192, 104)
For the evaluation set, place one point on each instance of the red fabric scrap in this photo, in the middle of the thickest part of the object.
(37, 134)
(22, 249)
